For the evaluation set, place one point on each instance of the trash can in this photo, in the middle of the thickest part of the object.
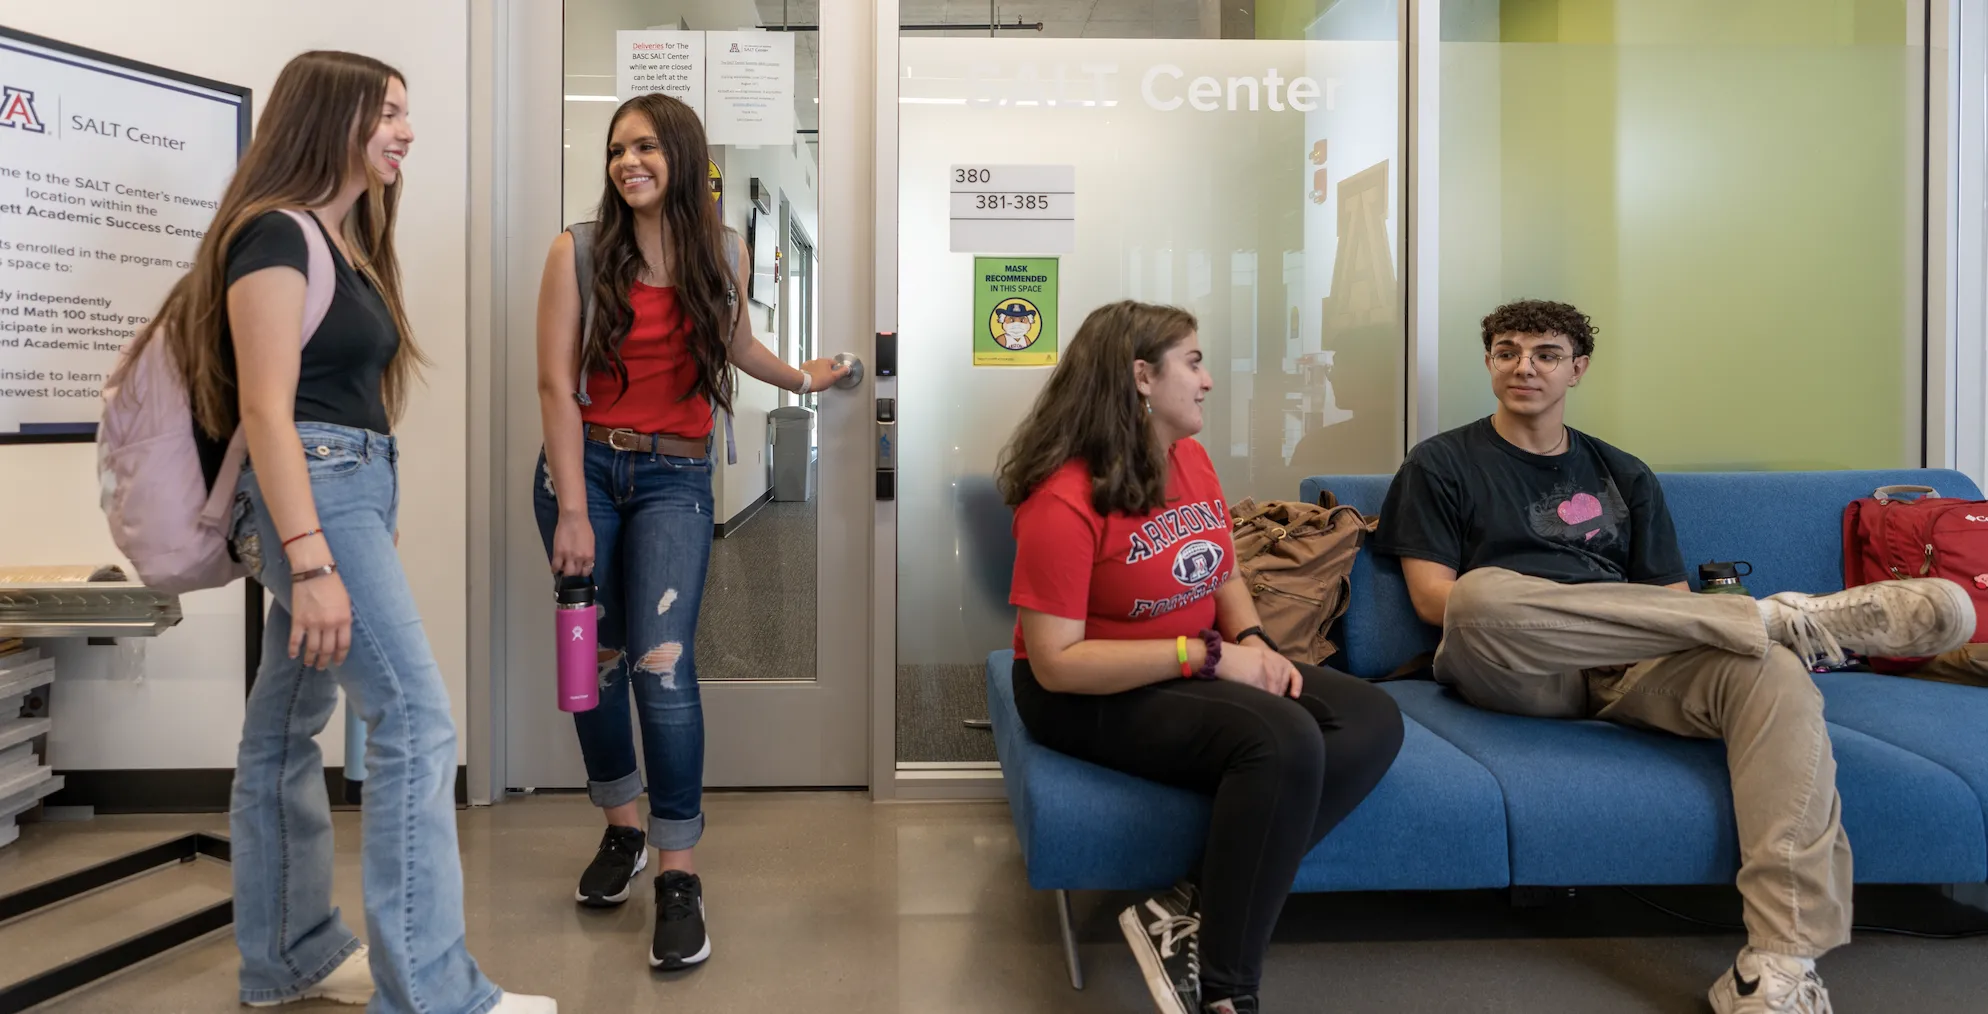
(793, 432)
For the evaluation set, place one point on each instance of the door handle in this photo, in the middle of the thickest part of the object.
(854, 377)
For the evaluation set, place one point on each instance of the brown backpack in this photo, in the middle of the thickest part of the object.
(1298, 561)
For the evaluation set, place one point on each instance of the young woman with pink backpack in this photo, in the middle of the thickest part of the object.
(289, 338)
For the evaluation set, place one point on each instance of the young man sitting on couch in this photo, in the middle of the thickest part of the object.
(1549, 560)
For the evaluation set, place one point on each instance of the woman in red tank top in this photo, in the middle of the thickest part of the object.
(627, 391)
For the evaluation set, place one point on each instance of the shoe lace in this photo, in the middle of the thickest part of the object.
(616, 843)
(1789, 993)
(678, 901)
(1811, 639)
(1174, 931)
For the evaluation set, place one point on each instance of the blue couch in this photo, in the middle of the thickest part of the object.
(1483, 800)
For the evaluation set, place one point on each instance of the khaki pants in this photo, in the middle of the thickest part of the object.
(1693, 665)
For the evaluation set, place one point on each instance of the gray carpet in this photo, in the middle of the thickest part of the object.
(933, 703)
(758, 620)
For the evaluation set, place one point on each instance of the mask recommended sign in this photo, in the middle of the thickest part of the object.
(1014, 309)
(109, 174)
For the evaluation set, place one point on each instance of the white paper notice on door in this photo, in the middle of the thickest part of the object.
(670, 62)
(749, 87)
(1014, 209)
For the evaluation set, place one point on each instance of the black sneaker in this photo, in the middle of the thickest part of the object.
(1232, 1005)
(623, 853)
(680, 938)
(1164, 933)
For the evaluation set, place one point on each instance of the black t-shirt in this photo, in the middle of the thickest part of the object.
(1469, 498)
(342, 368)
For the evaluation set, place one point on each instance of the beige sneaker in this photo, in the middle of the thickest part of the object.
(1763, 983)
(1889, 619)
(351, 982)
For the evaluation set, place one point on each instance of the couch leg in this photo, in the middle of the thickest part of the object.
(1070, 957)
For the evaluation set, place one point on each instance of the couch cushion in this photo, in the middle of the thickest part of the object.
(1589, 802)
(1380, 630)
(1946, 724)
(1789, 525)
(1435, 821)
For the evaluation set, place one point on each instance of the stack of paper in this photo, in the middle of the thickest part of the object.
(24, 777)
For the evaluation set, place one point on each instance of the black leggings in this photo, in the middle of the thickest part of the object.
(1283, 772)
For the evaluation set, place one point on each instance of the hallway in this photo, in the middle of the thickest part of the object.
(825, 902)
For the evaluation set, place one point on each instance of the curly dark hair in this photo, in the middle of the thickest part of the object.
(1539, 316)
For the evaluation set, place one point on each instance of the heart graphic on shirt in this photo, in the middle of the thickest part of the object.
(1582, 508)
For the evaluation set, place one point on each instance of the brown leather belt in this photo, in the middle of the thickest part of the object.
(644, 443)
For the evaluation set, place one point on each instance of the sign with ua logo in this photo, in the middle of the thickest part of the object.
(17, 110)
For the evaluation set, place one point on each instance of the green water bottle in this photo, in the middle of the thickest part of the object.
(1723, 578)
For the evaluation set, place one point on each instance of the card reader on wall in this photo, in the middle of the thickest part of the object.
(886, 448)
(886, 356)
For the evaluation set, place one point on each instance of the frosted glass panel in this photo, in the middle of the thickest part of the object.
(1276, 226)
(1733, 192)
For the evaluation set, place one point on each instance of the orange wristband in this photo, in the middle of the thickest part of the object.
(1180, 649)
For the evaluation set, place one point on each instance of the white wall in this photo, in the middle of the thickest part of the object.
(187, 712)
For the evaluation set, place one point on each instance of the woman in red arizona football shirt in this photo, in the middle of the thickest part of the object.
(1138, 648)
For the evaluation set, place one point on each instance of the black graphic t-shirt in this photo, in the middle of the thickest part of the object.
(1469, 498)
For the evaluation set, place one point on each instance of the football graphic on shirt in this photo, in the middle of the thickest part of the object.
(1197, 561)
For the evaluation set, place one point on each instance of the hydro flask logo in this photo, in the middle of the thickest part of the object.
(578, 634)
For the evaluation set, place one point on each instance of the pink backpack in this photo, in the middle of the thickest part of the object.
(163, 516)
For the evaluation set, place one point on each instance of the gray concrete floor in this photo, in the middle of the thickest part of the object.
(829, 903)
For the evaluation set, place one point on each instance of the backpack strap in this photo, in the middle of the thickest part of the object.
(320, 287)
(583, 276)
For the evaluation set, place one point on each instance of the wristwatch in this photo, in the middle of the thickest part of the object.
(1258, 632)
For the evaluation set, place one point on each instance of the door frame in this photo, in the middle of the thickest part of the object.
(515, 201)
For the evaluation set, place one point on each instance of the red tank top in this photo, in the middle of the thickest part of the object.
(660, 373)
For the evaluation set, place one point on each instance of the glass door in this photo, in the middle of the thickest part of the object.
(783, 698)
(1244, 166)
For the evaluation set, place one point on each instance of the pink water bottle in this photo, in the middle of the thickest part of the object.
(578, 644)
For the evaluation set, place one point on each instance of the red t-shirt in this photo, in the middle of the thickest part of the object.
(1128, 577)
(660, 372)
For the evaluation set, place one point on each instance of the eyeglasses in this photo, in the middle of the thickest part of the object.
(1545, 360)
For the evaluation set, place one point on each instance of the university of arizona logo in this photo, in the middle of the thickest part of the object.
(1197, 562)
(17, 110)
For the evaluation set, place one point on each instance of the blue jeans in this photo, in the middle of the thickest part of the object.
(280, 820)
(651, 515)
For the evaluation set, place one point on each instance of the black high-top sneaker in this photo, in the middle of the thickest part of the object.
(1164, 933)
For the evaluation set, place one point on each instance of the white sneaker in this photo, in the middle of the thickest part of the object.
(1763, 983)
(1889, 619)
(351, 982)
(518, 1003)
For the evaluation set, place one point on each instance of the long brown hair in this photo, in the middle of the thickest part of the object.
(695, 241)
(1091, 410)
(311, 140)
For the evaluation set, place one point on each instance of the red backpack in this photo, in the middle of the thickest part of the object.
(1887, 538)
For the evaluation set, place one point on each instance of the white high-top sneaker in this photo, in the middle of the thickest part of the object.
(1888, 619)
(1763, 983)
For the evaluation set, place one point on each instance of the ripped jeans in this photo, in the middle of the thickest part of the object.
(651, 515)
